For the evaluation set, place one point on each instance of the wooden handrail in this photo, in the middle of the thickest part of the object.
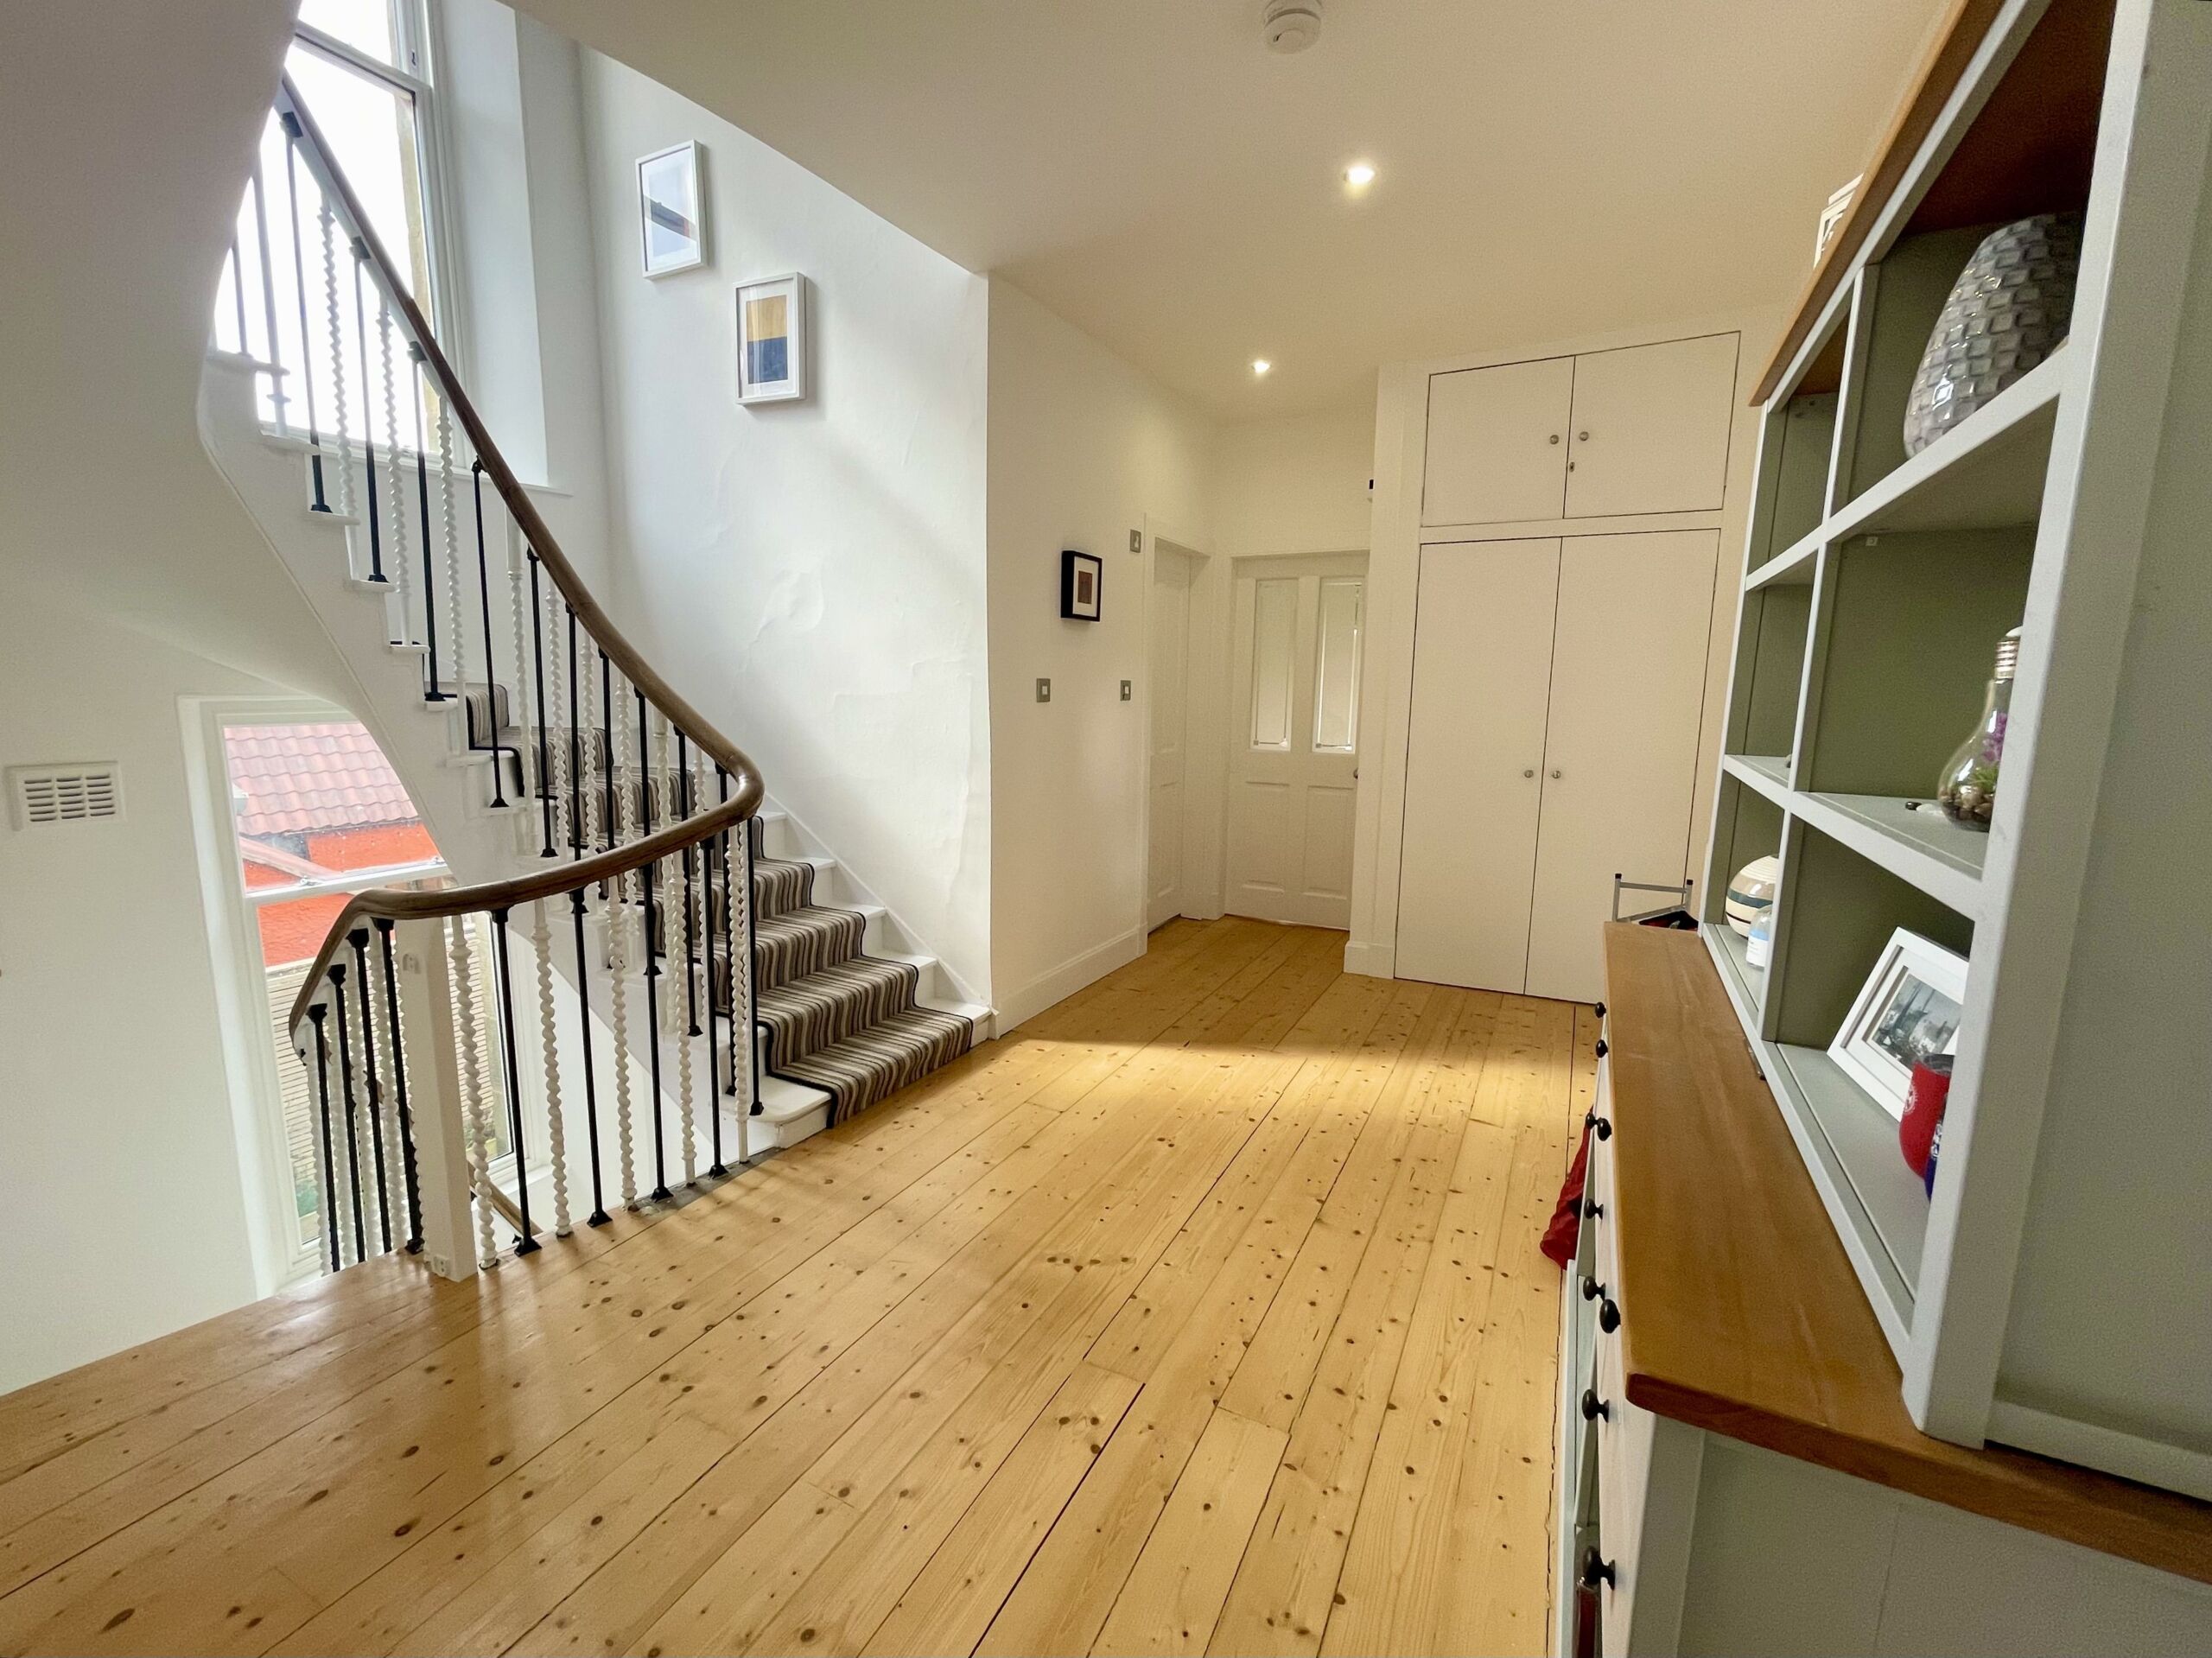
(748, 787)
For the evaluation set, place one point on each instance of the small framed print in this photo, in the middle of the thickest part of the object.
(771, 339)
(671, 214)
(1082, 575)
(1908, 1011)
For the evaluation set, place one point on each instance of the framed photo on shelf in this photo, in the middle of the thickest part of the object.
(771, 339)
(1909, 1010)
(671, 213)
(1081, 577)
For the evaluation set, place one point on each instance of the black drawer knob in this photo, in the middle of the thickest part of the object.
(1592, 1208)
(1593, 1407)
(1608, 1316)
(1595, 1570)
(1603, 1048)
(1601, 1127)
(1592, 1289)
(1601, 1010)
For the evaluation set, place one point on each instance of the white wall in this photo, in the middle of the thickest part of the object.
(1084, 449)
(810, 575)
(1296, 484)
(119, 1171)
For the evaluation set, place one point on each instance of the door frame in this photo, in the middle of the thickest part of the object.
(1204, 759)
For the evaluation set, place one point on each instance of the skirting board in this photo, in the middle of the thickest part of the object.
(1060, 982)
(1371, 960)
(2171, 1467)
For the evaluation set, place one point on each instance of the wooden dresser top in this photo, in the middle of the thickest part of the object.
(1740, 1312)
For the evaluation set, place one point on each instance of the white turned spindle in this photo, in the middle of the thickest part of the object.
(276, 398)
(517, 701)
(556, 702)
(457, 634)
(347, 507)
(594, 756)
(541, 942)
(619, 917)
(396, 567)
(471, 1085)
(679, 943)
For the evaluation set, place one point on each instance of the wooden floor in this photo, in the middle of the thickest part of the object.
(1203, 1313)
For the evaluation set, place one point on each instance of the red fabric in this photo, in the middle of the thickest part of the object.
(1565, 1232)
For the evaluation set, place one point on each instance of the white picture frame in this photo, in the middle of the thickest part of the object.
(771, 346)
(671, 211)
(1909, 1007)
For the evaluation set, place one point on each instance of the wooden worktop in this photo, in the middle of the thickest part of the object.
(1740, 1312)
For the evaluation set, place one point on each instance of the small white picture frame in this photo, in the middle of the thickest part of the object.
(1909, 1009)
(671, 211)
(771, 339)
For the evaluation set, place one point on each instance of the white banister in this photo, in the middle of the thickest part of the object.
(437, 1101)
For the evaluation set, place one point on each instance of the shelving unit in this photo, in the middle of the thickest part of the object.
(1876, 587)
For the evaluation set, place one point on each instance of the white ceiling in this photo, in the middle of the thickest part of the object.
(1147, 169)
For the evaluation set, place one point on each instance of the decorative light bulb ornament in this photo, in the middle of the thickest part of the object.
(1968, 790)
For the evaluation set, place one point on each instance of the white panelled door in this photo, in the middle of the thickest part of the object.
(1168, 665)
(1294, 737)
(1474, 760)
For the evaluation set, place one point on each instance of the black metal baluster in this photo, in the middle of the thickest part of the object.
(575, 752)
(359, 938)
(291, 124)
(491, 677)
(528, 1244)
(538, 651)
(608, 825)
(691, 926)
(652, 956)
(368, 414)
(409, 1181)
(706, 961)
(414, 373)
(316, 1014)
(729, 930)
(591, 1079)
(345, 1086)
(753, 960)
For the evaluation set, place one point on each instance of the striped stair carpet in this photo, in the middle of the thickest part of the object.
(836, 1019)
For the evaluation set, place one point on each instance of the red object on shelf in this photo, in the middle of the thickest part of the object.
(1925, 1097)
(1565, 1231)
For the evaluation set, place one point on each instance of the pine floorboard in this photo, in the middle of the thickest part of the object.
(1203, 1312)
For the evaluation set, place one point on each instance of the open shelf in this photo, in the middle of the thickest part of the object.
(1911, 839)
(1745, 983)
(1794, 569)
(1985, 472)
(1768, 774)
(1884, 1205)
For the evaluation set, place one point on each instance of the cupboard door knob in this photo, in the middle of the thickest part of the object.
(1602, 1049)
(1592, 1208)
(1554, 437)
(1556, 774)
(1594, 1570)
(1582, 437)
(1528, 771)
(1593, 1407)
(1592, 1289)
(1608, 1316)
(1601, 1127)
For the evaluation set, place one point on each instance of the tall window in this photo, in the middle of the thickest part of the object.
(363, 69)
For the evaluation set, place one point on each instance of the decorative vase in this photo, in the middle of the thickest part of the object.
(1753, 892)
(1968, 790)
(2010, 308)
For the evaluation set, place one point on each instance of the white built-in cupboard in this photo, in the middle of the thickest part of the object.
(1563, 626)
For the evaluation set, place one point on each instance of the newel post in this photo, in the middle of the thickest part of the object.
(426, 999)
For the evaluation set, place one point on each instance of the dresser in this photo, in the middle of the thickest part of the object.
(1737, 1470)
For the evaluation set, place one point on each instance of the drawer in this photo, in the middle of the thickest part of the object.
(1625, 1435)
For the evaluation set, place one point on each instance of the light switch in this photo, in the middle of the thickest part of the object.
(1136, 541)
(1044, 690)
(1127, 688)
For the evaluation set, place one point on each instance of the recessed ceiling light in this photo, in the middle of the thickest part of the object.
(1259, 366)
(1359, 175)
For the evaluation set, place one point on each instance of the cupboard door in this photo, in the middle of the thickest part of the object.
(1651, 427)
(1497, 442)
(1628, 661)
(1482, 650)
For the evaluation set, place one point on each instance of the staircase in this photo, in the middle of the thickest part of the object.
(704, 981)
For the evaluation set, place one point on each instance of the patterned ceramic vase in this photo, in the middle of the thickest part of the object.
(2010, 308)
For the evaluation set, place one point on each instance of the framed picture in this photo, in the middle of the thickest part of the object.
(771, 339)
(1909, 1010)
(1081, 577)
(671, 214)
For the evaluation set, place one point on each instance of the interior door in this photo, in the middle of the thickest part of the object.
(1651, 428)
(1169, 657)
(1294, 737)
(1620, 753)
(1482, 678)
(1496, 444)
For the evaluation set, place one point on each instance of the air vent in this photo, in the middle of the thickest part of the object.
(45, 795)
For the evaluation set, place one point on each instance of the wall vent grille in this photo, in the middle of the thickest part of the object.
(43, 795)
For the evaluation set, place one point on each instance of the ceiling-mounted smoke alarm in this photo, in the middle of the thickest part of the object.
(1290, 25)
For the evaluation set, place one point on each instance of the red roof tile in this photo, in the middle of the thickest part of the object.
(295, 778)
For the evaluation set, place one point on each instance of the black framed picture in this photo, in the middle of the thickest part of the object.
(1082, 575)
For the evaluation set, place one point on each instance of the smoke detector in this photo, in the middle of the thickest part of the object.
(1290, 25)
